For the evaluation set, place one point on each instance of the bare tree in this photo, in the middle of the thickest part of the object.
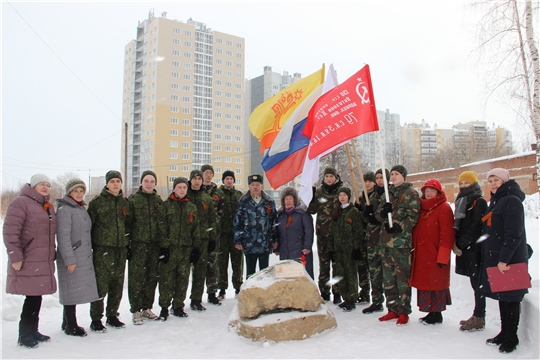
(508, 44)
(6, 197)
(58, 185)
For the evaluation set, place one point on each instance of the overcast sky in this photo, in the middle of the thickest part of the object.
(62, 66)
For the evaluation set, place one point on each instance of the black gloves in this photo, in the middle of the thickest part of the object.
(211, 246)
(331, 255)
(128, 257)
(396, 229)
(164, 255)
(359, 206)
(195, 254)
(368, 213)
(356, 254)
(386, 209)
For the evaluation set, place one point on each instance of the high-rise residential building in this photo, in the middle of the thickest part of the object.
(390, 134)
(183, 102)
(258, 90)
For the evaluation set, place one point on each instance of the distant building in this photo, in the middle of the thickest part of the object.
(183, 102)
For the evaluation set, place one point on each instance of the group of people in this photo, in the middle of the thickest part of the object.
(384, 243)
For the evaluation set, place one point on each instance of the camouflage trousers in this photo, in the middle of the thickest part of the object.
(237, 263)
(347, 268)
(109, 265)
(212, 270)
(143, 272)
(199, 270)
(375, 273)
(174, 277)
(324, 267)
(396, 274)
(363, 270)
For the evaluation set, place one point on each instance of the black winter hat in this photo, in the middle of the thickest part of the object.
(255, 177)
(345, 190)
(179, 180)
(228, 173)
(400, 169)
(148, 172)
(195, 173)
(207, 167)
(112, 174)
(379, 171)
(330, 170)
(370, 176)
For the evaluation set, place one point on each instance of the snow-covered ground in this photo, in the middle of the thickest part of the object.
(206, 335)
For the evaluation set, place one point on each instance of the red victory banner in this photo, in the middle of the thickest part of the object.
(346, 111)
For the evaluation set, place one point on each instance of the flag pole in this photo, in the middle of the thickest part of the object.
(352, 171)
(360, 171)
(384, 177)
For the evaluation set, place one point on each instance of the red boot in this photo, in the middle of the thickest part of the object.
(402, 319)
(390, 316)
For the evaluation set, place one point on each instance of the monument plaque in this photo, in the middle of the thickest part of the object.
(289, 270)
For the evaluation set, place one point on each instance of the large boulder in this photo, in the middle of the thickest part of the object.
(264, 292)
(283, 326)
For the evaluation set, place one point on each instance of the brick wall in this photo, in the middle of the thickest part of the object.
(522, 168)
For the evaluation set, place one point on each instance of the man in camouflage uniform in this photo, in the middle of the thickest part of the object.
(143, 267)
(373, 240)
(323, 204)
(212, 271)
(108, 213)
(178, 231)
(404, 206)
(205, 239)
(229, 196)
(254, 225)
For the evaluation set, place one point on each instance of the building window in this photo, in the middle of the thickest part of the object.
(228, 105)
(238, 138)
(218, 125)
(173, 155)
(217, 159)
(237, 128)
(176, 31)
(218, 82)
(217, 103)
(176, 52)
(219, 51)
(187, 77)
(173, 132)
(174, 109)
(219, 72)
(237, 149)
(176, 63)
(186, 88)
(217, 147)
(185, 145)
(217, 136)
(228, 53)
(175, 75)
(228, 137)
(219, 41)
(229, 43)
(238, 45)
(217, 93)
(173, 167)
(185, 111)
(174, 120)
(176, 41)
(238, 96)
(238, 65)
(219, 61)
(238, 171)
(238, 107)
(185, 167)
(237, 117)
(237, 160)
(228, 84)
(174, 97)
(187, 55)
(174, 144)
(188, 33)
(217, 115)
(185, 133)
(186, 99)
(228, 148)
(228, 127)
(187, 66)
(228, 63)
(187, 43)
(228, 95)
(185, 122)
(228, 159)
(185, 156)
(238, 76)
(228, 116)
(238, 55)
(175, 86)
(228, 73)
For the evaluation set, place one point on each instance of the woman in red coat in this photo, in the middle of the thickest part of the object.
(433, 240)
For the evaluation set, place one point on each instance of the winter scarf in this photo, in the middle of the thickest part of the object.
(466, 196)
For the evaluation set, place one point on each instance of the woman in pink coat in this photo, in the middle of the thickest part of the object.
(433, 240)
(29, 236)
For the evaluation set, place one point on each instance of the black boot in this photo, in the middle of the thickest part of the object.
(337, 299)
(498, 340)
(197, 306)
(373, 308)
(71, 327)
(212, 299)
(164, 314)
(511, 340)
(25, 333)
(349, 306)
(432, 318)
(325, 296)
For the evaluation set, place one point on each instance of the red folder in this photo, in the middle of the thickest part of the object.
(516, 278)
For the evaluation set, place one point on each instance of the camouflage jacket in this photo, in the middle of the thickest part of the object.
(254, 224)
(323, 204)
(405, 211)
(212, 191)
(375, 201)
(206, 215)
(177, 222)
(347, 232)
(227, 208)
(108, 214)
(142, 219)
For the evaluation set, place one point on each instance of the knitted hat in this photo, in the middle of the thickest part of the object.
(380, 172)
(73, 184)
(179, 180)
(207, 167)
(148, 172)
(400, 169)
(112, 174)
(195, 173)
(37, 178)
(369, 176)
(258, 178)
(345, 190)
(330, 170)
(228, 173)
(501, 173)
(469, 176)
(432, 183)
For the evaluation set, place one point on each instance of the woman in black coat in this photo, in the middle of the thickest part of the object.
(504, 243)
(470, 208)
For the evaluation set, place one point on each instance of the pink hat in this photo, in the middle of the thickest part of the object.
(501, 173)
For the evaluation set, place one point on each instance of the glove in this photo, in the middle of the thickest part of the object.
(386, 209)
(331, 255)
(368, 211)
(128, 257)
(359, 206)
(356, 254)
(164, 255)
(396, 229)
(194, 257)
(211, 246)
